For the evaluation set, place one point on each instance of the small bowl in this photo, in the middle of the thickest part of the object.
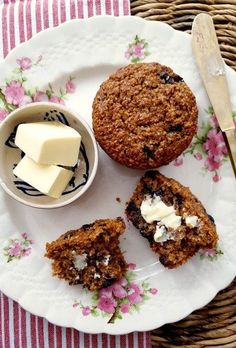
(10, 155)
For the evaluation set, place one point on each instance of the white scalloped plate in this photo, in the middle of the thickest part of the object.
(88, 51)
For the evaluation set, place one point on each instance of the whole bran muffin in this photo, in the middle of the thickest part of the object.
(183, 242)
(90, 255)
(144, 115)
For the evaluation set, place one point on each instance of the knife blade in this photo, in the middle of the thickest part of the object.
(211, 67)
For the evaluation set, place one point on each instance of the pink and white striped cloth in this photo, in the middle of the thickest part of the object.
(20, 329)
(20, 20)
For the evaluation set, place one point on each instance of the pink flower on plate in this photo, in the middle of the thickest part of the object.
(3, 114)
(210, 252)
(138, 50)
(40, 97)
(25, 100)
(134, 293)
(25, 236)
(86, 310)
(213, 121)
(14, 93)
(26, 252)
(107, 304)
(222, 147)
(105, 292)
(216, 178)
(215, 135)
(218, 158)
(124, 307)
(128, 53)
(215, 145)
(25, 63)
(211, 164)
(198, 156)
(178, 162)
(153, 291)
(70, 86)
(56, 100)
(118, 291)
(122, 281)
(75, 305)
(132, 266)
(15, 249)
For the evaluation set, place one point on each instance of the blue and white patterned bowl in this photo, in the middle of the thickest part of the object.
(10, 155)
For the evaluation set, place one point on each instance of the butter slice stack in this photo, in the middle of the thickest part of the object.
(47, 146)
(48, 179)
(49, 142)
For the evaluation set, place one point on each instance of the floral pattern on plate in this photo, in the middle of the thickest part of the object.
(15, 94)
(212, 275)
(137, 50)
(16, 248)
(211, 254)
(124, 296)
(208, 146)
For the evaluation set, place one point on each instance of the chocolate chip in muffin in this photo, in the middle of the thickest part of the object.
(175, 128)
(87, 226)
(211, 218)
(148, 152)
(170, 79)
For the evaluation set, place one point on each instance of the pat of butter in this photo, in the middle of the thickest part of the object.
(160, 230)
(191, 221)
(153, 209)
(49, 142)
(48, 179)
(172, 221)
(80, 261)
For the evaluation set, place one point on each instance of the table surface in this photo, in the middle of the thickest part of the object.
(215, 324)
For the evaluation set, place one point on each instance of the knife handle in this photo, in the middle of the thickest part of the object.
(230, 135)
(212, 69)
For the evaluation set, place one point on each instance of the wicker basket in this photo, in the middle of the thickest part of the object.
(213, 326)
(179, 14)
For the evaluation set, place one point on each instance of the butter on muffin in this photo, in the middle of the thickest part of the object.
(144, 115)
(90, 255)
(172, 219)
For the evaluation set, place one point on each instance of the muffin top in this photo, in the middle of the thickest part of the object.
(144, 115)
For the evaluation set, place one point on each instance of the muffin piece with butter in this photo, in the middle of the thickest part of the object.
(144, 115)
(172, 219)
(90, 255)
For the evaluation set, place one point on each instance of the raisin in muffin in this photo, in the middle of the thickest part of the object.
(172, 219)
(144, 115)
(90, 255)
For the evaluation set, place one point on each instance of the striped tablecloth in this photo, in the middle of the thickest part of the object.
(20, 20)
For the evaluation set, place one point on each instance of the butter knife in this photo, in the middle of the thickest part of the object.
(212, 71)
